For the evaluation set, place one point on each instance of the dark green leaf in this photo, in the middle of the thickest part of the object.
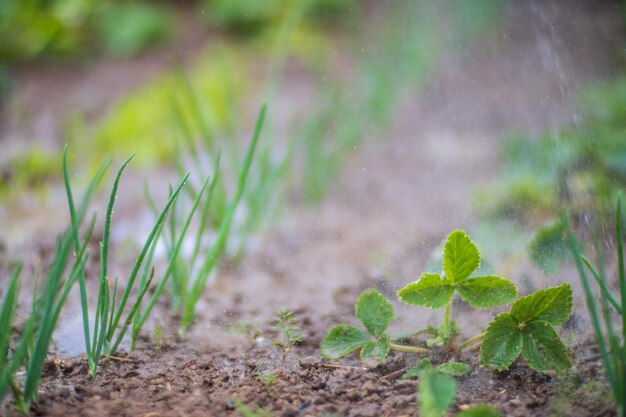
(502, 343)
(453, 368)
(436, 393)
(374, 311)
(430, 290)
(553, 305)
(460, 256)
(375, 351)
(341, 340)
(480, 410)
(487, 291)
(543, 349)
(417, 369)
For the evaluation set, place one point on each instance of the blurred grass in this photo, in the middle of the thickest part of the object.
(32, 29)
(402, 48)
(251, 17)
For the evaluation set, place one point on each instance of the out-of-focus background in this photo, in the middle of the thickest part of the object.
(389, 123)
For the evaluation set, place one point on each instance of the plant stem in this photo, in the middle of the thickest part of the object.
(412, 349)
(446, 316)
(470, 340)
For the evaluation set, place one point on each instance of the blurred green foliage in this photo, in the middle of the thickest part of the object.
(32, 29)
(579, 169)
(29, 170)
(127, 28)
(145, 120)
(250, 17)
(406, 49)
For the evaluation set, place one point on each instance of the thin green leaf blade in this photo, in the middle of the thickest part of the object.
(436, 393)
(453, 368)
(543, 349)
(430, 290)
(374, 311)
(487, 291)
(7, 312)
(502, 343)
(553, 305)
(375, 351)
(460, 256)
(341, 340)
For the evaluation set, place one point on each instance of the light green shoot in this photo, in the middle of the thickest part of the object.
(210, 261)
(289, 332)
(36, 335)
(108, 327)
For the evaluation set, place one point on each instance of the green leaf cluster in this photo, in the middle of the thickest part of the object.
(376, 313)
(528, 330)
(460, 259)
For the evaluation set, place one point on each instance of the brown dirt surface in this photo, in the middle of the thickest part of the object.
(394, 202)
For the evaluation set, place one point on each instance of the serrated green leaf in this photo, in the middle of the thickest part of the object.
(375, 351)
(553, 305)
(341, 340)
(460, 256)
(487, 291)
(430, 290)
(543, 349)
(417, 369)
(480, 410)
(502, 343)
(436, 393)
(374, 311)
(453, 368)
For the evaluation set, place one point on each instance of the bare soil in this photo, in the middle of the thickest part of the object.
(394, 202)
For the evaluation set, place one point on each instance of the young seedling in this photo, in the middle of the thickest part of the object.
(266, 377)
(190, 285)
(376, 313)
(290, 333)
(108, 327)
(34, 340)
(528, 330)
(460, 259)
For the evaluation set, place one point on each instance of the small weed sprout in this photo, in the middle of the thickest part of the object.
(289, 332)
(158, 336)
(266, 377)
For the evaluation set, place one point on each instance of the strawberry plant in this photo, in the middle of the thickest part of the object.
(527, 330)
(376, 313)
(460, 259)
